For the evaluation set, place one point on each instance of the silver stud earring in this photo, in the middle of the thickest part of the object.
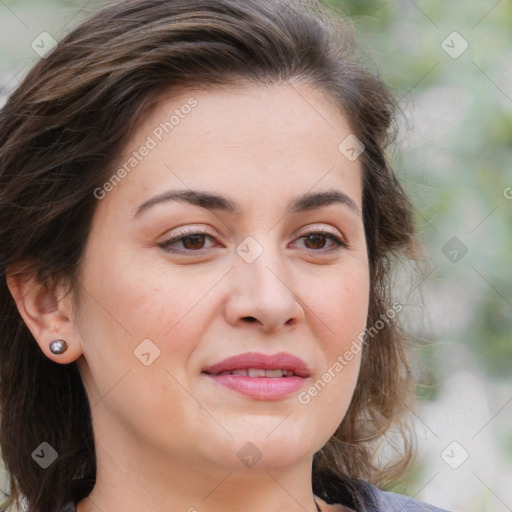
(58, 346)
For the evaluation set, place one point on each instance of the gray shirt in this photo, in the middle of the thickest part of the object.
(375, 501)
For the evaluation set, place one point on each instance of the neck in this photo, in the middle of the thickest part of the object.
(152, 482)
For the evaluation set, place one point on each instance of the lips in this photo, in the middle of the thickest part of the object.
(260, 376)
(254, 364)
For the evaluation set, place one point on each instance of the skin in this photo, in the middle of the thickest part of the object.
(166, 436)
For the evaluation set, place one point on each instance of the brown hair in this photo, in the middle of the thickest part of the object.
(61, 132)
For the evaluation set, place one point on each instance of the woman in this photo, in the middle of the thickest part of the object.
(197, 229)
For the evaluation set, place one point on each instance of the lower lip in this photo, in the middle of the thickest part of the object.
(261, 388)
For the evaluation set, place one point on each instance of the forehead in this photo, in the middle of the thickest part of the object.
(278, 114)
(262, 138)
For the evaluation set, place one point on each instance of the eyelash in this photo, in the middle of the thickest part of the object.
(338, 242)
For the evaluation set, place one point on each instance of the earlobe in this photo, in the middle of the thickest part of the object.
(48, 314)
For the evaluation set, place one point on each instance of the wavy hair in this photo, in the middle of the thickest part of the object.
(61, 132)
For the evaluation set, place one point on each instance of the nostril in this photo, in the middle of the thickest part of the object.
(250, 318)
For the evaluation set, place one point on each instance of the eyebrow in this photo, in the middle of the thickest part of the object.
(304, 202)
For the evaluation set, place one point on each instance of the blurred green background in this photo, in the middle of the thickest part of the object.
(449, 65)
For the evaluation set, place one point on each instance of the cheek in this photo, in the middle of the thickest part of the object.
(145, 299)
(340, 304)
(122, 311)
(341, 311)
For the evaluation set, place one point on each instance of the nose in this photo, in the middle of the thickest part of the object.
(261, 293)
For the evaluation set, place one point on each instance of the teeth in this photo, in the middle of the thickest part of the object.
(256, 372)
(259, 372)
(274, 373)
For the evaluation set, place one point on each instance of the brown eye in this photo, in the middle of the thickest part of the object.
(317, 240)
(190, 242)
(193, 241)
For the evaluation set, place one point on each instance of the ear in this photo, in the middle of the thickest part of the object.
(47, 313)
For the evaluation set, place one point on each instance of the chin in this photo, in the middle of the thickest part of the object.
(267, 448)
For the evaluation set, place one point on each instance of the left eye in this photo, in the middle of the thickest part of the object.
(316, 238)
(195, 241)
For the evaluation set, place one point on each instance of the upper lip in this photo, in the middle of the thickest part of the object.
(279, 361)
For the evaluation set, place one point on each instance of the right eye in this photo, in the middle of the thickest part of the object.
(192, 241)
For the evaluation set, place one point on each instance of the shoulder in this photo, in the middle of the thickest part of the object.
(362, 496)
(382, 501)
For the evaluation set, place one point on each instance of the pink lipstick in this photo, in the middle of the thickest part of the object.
(261, 376)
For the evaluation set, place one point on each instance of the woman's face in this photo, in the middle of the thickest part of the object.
(270, 265)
